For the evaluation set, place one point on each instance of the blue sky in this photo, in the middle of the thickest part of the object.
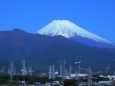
(96, 16)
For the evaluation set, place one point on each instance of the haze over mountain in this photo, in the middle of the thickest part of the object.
(70, 30)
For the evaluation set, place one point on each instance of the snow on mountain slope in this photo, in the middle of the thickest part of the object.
(68, 29)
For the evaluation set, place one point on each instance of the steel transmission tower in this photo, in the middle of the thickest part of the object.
(11, 71)
(89, 77)
(51, 72)
(70, 69)
(30, 70)
(24, 71)
(79, 70)
(61, 71)
(64, 71)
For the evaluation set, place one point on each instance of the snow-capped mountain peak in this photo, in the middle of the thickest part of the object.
(69, 30)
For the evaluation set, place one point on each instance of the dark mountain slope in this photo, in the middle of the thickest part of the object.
(41, 51)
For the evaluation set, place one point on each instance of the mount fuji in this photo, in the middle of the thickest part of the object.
(70, 30)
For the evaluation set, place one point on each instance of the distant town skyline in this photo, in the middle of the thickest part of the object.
(96, 16)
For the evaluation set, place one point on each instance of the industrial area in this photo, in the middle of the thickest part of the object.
(60, 77)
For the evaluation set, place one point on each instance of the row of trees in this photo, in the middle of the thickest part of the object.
(5, 79)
